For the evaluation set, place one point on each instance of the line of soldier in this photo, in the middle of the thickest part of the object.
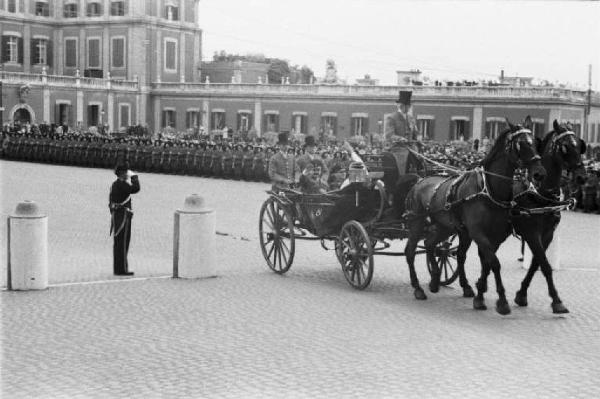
(242, 161)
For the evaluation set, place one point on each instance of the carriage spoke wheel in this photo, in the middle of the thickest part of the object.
(445, 256)
(277, 240)
(355, 254)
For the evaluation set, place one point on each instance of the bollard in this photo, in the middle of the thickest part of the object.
(194, 240)
(552, 252)
(27, 248)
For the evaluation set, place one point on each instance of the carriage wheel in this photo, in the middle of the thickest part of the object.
(355, 254)
(277, 240)
(445, 255)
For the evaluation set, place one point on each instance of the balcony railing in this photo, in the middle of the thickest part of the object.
(496, 92)
(318, 90)
(68, 81)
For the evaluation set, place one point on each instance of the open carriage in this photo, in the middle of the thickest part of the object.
(356, 222)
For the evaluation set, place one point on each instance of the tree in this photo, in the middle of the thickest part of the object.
(278, 69)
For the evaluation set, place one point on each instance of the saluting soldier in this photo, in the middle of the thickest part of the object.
(310, 155)
(127, 183)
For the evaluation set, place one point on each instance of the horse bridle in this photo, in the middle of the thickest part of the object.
(557, 143)
(513, 140)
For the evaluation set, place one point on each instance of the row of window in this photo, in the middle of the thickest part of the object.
(64, 114)
(41, 51)
(93, 8)
(459, 129)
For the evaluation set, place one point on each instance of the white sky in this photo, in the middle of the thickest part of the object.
(553, 40)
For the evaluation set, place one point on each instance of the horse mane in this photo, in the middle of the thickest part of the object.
(496, 149)
(547, 138)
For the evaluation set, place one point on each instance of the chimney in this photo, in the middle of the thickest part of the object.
(501, 75)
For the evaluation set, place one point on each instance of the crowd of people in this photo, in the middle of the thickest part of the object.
(228, 158)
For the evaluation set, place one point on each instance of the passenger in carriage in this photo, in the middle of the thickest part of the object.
(311, 180)
(304, 160)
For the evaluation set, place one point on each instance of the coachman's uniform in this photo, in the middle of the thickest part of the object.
(121, 215)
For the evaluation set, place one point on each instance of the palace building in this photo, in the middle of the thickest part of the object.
(123, 62)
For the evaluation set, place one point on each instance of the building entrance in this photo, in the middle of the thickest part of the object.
(22, 116)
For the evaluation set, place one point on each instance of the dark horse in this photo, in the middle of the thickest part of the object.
(476, 206)
(560, 149)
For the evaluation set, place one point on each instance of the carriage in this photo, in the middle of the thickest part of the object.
(357, 222)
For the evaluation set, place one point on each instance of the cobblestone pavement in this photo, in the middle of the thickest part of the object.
(251, 333)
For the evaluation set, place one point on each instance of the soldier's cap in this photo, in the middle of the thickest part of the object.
(404, 97)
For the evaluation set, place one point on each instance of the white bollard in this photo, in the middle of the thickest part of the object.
(194, 240)
(27, 248)
(552, 253)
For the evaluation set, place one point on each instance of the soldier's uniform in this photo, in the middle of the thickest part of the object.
(121, 215)
(227, 161)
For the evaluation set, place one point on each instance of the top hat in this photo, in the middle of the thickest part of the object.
(404, 97)
(309, 141)
(282, 139)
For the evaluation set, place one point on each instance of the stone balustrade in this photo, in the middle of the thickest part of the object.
(316, 90)
(68, 81)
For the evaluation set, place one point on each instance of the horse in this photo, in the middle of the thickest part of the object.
(475, 205)
(560, 149)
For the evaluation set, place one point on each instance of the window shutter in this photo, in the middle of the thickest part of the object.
(20, 49)
(33, 51)
(70, 115)
(277, 123)
(431, 132)
(366, 129)
(467, 133)
(164, 119)
(49, 55)
(265, 121)
(239, 121)
(56, 113)
(305, 124)
(124, 116)
(451, 131)
(175, 13)
(4, 48)
(174, 119)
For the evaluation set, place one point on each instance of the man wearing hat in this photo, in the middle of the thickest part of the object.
(283, 167)
(127, 183)
(402, 123)
(310, 157)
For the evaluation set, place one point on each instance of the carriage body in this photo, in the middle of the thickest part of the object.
(358, 220)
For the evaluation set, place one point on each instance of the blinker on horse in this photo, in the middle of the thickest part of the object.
(476, 206)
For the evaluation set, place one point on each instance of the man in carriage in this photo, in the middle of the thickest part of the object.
(311, 159)
(283, 169)
(401, 164)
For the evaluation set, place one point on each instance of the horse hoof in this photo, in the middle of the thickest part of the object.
(479, 304)
(434, 287)
(559, 308)
(502, 308)
(468, 292)
(521, 299)
(420, 294)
